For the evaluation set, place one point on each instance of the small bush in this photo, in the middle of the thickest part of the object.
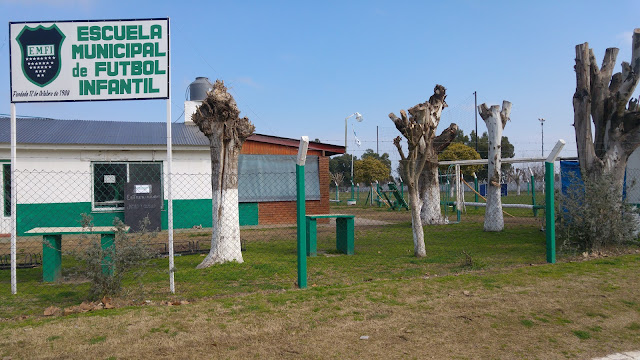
(106, 266)
(593, 216)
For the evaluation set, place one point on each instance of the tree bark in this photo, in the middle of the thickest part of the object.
(518, 179)
(419, 129)
(496, 121)
(604, 99)
(218, 118)
(419, 248)
(431, 213)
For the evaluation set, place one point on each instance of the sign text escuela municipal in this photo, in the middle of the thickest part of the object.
(89, 60)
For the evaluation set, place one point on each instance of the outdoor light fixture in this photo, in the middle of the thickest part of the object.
(359, 118)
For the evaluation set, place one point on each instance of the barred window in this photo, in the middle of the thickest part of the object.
(109, 180)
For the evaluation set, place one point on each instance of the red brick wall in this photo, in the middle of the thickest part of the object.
(284, 212)
(258, 148)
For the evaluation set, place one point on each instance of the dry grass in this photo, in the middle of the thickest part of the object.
(526, 312)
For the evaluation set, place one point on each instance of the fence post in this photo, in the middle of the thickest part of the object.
(475, 187)
(352, 193)
(301, 212)
(533, 194)
(549, 201)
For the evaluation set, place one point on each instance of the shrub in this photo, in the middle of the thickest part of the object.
(106, 266)
(592, 216)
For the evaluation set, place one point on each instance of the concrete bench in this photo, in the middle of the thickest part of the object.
(344, 233)
(52, 246)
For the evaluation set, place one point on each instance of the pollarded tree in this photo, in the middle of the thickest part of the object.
(516, 176)
(496, 120)
(419, 129)
(605, 100)
(430, 146)
(337, 178)
(219, 119)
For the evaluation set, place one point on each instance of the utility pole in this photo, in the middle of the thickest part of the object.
(377, 149)
(475, 97)
(542, 127)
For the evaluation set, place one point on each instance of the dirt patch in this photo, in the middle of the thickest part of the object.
(511, 314)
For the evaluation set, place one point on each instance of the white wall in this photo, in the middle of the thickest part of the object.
(65, 174)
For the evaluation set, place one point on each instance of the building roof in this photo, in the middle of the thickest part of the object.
(97, 132)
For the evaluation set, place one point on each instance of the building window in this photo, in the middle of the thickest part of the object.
(6, 188)
(109, 181)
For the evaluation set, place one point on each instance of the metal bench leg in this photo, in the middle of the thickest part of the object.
(51, 258)
(311, 237)
(108, 247)
(344, 235)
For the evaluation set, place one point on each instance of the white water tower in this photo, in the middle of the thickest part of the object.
(197, 92)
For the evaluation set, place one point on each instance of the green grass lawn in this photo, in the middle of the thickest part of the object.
(381, 253)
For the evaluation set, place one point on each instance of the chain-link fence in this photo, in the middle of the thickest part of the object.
(522, 194)
(79, 228)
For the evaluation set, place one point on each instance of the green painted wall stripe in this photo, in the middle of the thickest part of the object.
(187, 214)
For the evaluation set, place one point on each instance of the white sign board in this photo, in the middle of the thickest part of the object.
(89, 60)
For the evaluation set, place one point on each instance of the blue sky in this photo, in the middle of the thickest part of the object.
(299, 68)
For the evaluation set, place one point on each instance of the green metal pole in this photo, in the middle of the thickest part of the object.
(302, 227)
(108, 249)
(533, 196)
(475, 186)
(352, 193)
(550, 212)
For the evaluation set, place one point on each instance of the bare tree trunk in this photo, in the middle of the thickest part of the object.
(419, 248)
(218, 118)
(605, 99)
(496, 121)
(430, 213)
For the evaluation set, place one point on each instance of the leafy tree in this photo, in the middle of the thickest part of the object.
(342, 164)
(507, 149)
(369, 153)
(369, 170)
(462, 138)
(459, 151)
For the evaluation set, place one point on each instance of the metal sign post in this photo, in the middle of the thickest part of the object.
(14, 201)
